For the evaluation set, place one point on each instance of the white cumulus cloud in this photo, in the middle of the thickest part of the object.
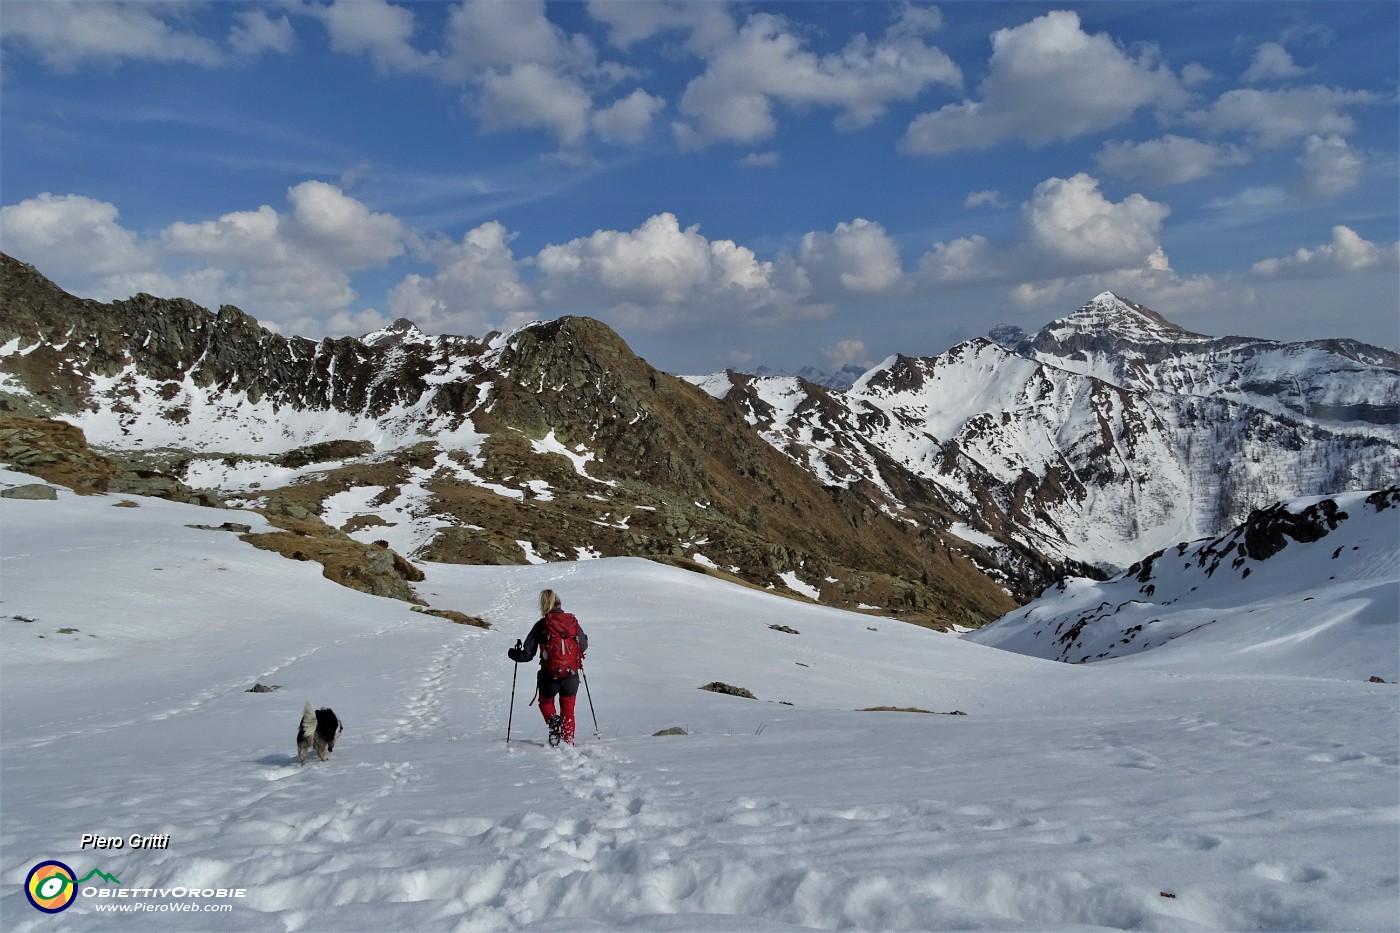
(1271, 118)
(1047, 80)
(766, 159)
(477, 286)
(859, 256)
(1073, 242)
(339, 229)
(632, 21)
(848, 352)
(965, 260)
(655, 277)
(254, 32)
(1070, 219)
(375, 28)
(80, 244)
(243, 238)
(531, 96)
(517, 70)
(661, 275)
(1068, 227)
(1169, 160)
(766, 65)
(1330, 166)
(1155, 285)
(291, 265)
(1271, 62)
(629, 119)
(987, 198)
(658, 262)
(485, 33)
(66, 33)
(1347, 254)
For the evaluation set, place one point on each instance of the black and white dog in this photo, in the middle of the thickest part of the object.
(319, 730)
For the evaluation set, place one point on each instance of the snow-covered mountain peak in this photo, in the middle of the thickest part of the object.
(1108, 432)
(1113, 320)
(400, 331)
(894, 373)
(1122, 343)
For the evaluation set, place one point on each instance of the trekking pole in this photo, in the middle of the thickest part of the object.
(511, 717)
(589, 693)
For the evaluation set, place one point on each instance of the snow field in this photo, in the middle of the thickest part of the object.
(1328, 608)
(1068, 797)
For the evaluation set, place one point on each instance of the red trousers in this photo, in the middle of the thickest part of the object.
(566, 703)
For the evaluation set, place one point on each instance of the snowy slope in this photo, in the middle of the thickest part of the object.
(1068, 797)
(1309, 587)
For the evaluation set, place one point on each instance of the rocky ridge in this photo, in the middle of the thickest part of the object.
(554, 442)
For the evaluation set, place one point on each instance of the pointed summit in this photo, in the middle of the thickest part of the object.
(1113, 315)
(1108, 323)
(401, 331)
(1109, 326)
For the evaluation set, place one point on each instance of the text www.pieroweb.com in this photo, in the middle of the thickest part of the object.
(177, 907)
(188, 900)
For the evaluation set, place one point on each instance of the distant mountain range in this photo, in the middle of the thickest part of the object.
(1103, 436)
(841, 380)
(943, 490)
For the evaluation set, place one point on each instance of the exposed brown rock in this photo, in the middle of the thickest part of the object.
(673, 468)
(358, 566)
(452, 615)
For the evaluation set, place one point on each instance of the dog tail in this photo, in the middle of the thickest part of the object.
(308, 719)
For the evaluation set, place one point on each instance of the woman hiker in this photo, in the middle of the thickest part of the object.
(561, 644)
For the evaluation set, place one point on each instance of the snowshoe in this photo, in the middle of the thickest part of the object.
(556, 730)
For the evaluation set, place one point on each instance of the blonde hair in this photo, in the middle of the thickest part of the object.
(549, 601)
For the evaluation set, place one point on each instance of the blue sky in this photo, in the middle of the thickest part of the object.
(786, 184)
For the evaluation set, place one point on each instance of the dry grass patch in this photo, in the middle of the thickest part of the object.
(369, 568)
(452, 615)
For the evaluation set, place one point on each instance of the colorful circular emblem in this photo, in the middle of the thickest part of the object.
(51, 887)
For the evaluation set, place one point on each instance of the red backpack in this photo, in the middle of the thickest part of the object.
(560, 653)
